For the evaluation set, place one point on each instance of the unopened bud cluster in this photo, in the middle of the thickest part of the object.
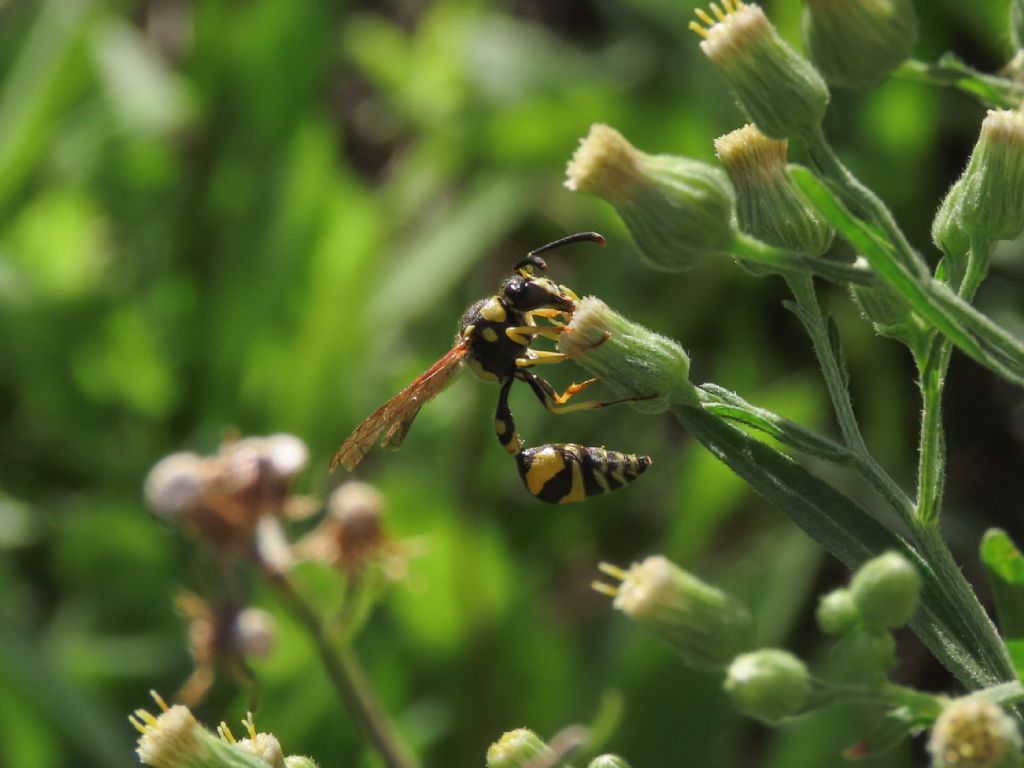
(707, 627)
(857, 43)
(677, 210)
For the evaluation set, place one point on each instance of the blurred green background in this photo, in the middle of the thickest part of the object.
(269, 216)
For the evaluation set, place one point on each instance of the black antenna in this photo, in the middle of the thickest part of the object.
(579, 237)
(533, 260)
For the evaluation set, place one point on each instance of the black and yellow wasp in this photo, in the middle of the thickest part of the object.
(494, 342)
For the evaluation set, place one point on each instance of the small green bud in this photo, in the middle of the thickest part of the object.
(837, 613)
(987, 202)
(768, 206)
(704, 624)
(948, 233)
(608, 761)
(779, 89)
(632, 360)
(516, 749)
(886, 590)
(889, 313)
(769, 685)
(857, 43)
(974, 733)
(677, 210)
(864, 658)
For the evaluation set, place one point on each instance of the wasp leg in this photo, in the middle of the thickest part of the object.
(540, 357)
(504, 425)
(521, 334)
(557, 403)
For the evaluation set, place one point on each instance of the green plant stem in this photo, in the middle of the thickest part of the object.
(864, 201)
(788, 263)
(810, 315)
(813, 320)
(950, 72)
(932, 370)
(348, 678)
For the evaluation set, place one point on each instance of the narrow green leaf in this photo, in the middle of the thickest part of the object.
(951, 72)
(729, 405)
(971, 331)
(1004, 566)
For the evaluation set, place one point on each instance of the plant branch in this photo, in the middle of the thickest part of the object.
(950, 72)
(348, 678)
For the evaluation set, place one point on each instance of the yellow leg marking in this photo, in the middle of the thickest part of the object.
(540, 357)
(499, 427)
(573, 389)
(521, 334)
(546, 464)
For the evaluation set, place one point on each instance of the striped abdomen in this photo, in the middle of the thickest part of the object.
(562, 473)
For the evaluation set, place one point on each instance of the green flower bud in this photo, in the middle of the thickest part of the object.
(837, 613)
(987, 203)
(948, 233)
(769, 685)
(889, 313)
(778, 88)
(864, 658)
(608, 761)
(857, 43)
(886, 590)
(767, 204)
(677, 210)
(974, 733)
(632, 360)
(174, 739)
(704, 624)
(516, 749)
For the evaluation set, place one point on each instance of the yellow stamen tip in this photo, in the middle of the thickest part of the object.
(250, 726)
(145, 717)
(137, 725)
(604, 589)
(612, 570)
(225, 733)
(718, 12)
(159, 701)
(703, 16)
(695, 27)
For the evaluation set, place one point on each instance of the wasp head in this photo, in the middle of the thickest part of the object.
(527, 292)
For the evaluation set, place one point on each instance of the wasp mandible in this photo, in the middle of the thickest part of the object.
(494, 341)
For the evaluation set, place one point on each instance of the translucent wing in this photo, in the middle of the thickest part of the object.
(396, 415)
